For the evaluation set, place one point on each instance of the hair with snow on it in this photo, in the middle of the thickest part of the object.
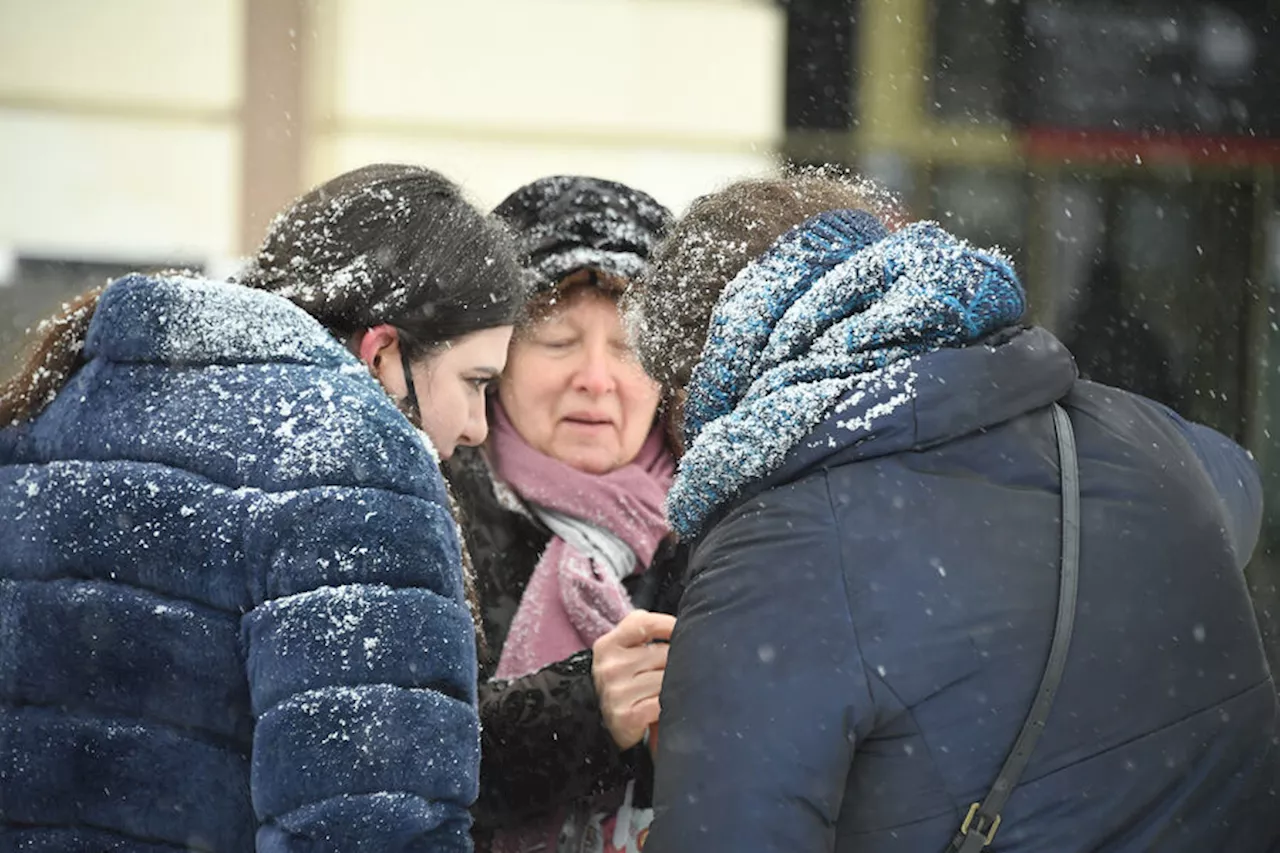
(55, 352)
(392, 244)
(718, 236)
(546, 304)
(832, 312)
(381, 244)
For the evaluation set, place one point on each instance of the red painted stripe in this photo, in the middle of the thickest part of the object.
(1148, 147)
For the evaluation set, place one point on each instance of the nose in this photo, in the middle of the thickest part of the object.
(595, 373)
(476, 429)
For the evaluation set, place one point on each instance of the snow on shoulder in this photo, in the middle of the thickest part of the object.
(186, 320)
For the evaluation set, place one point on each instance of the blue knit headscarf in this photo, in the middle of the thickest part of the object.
(836, 307)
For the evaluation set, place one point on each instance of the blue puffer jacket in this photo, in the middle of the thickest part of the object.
(231, 599)
(864, 627)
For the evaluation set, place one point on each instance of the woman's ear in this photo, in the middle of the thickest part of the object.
(379, 349)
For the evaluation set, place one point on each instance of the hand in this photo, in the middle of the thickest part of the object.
(627, 668)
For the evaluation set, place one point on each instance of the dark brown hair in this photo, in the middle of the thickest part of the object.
(55, 352)
(381, 244)
(393, 244)
(720, 234)
(545, 303)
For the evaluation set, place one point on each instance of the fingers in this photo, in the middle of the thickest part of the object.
(633, 660)
(651, 657)
(627, 720)
(634, 691)
(656, 626)
(639, 627)
(627, 667)
(610, 664)
(646, 712)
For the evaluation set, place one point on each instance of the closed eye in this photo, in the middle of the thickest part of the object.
(623, 350)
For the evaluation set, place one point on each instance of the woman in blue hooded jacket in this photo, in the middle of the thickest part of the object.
(232, 610)
(872, 492)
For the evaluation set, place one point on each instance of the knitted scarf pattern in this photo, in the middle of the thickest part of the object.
(827, 320)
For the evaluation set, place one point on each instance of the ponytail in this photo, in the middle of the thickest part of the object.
(56, 352)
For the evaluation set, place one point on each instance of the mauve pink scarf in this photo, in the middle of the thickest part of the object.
(570, 602)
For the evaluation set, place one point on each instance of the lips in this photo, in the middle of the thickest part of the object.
(587, 419)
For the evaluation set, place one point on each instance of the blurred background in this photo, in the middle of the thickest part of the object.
(1123, 153)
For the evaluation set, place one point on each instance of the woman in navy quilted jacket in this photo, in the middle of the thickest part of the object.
(232, 607)
(872, 492)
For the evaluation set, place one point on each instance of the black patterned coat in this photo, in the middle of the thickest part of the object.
(543, 740)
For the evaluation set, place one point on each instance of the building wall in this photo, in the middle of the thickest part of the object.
(118, 127)
(123, 128)
(671, 95)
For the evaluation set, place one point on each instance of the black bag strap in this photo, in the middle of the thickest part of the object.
(980, 825)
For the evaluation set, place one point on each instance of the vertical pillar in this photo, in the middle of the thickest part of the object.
(1260, 392)
(893, 126)
(274, 120)
(893, 38)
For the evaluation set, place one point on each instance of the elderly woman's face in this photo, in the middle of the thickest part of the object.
(574, 390)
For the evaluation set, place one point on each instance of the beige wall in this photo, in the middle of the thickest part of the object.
(118, 127)
(675, 96)
(120, 121)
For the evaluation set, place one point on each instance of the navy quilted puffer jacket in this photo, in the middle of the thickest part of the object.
(231, 603)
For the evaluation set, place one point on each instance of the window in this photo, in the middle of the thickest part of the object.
(1169, 65)
(1150, 283)
(820, 64)
(974, 60)
(1264, 572)
(35, 287)
(987, 207)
